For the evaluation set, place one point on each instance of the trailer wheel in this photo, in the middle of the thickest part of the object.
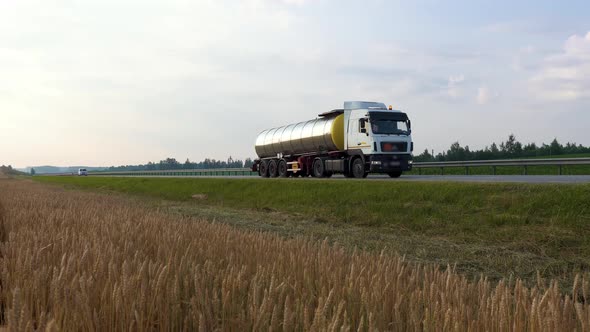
(282, 169)
(318, 168)
(273, 169)
(358, 169)
(263, 168)
(396, 174)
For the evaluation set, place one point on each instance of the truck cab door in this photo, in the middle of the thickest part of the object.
(358, 135)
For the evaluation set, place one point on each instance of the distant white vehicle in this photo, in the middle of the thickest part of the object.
(82, 172)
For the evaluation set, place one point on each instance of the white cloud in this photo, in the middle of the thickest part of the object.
(453, 85)
(483, 95)
(296, 2)
(565, 76)
(578, 45)
(525, 58)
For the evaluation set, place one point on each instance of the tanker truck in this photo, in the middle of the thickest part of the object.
(361, 138)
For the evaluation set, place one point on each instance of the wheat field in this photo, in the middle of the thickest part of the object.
(73, 260)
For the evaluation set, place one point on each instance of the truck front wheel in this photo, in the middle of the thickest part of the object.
(358, 169)
(318, 168)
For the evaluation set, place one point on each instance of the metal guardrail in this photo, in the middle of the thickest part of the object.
(524, 163)
(182, 172)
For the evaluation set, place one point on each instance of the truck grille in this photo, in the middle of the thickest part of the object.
(394, 147)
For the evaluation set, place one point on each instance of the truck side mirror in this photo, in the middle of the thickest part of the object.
(362, 127)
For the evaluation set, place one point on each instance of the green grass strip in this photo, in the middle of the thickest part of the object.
(417, 205)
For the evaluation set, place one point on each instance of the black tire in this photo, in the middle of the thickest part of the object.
(273, 169)
(282, 169)
(318, 168)
(358, 169)
(263, 168)
(396, 174)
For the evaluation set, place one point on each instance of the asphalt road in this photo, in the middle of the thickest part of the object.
(566, 179)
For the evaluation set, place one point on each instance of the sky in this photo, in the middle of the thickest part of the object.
(116, 82)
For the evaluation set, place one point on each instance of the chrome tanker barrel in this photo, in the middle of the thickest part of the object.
(320, 135)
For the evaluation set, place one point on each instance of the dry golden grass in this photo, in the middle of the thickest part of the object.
(83, 261)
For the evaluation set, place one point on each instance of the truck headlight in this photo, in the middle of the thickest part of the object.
(376, 162)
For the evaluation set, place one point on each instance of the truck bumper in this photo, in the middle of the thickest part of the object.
(384, 163)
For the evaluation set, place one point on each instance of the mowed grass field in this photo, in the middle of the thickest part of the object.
(499, 230)
(76, 260)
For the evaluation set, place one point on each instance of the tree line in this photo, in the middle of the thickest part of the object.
(8, 170)
(172, 164)
(510, 149)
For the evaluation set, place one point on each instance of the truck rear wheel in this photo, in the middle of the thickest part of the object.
(395, 174)
(358, 169)
(273, 169)
(318, 168)
(282, 169)
(263, 168)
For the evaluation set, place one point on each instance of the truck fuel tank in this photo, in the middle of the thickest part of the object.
(319, 135)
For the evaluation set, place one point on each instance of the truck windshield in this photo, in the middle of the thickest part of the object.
(386, 123)
(389, 127)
